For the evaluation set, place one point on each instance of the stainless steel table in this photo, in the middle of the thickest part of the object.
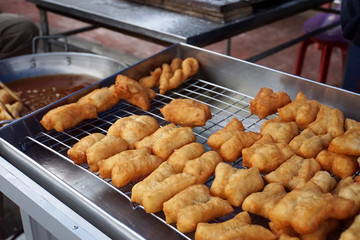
(166, 27)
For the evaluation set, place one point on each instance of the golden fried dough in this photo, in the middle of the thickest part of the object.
(326, 227)
(68, 116)
(301, 110)
(261, 203)
(102, 98)
(106, 165)
(148, 142)
(173, 75)
(351, 123)
(188, 152)
(78, 152)
(353, 232)
(304, 209)
(230, 141)
(203, 167)
(154, 198)
(342, 184)
(308, 144)
(267, 102)
(348, 143)
(294, 173)
(339, 164)
(328, 120)
(133, 128)
(152, 80)
(174, 139)
(281, 132)
(130, 90)
(186, 112)
(189, 216)
(323, 181)
(103, 149)
(134, 169)
(192, 194)
(352, 192)
(266, 156)
(239, 227)
(235, 186)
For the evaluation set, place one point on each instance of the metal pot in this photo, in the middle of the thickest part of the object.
(58, 63)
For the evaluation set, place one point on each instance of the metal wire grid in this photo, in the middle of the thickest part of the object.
(225, 104)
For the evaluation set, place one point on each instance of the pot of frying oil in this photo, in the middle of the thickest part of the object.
(40, 79)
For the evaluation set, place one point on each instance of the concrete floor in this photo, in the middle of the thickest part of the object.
(243, 46)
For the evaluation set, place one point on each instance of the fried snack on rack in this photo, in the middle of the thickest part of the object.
(234, 184)
(106, 165)
(152, 80)
(148, 142)
(266, 102)
(133, 128)
(351, 123)
(342, 184)
(239, 227)
(103, 149)
(281, 132)
(203, 167)
(230, 141)
(173, 165)
(16, 109)
(301, 110)
(322, 180)
(308, 144)
(353, 232)
(348, 143)
(195, 205)
(304, 209)
(67, 116)
(352, 191)
(340, 165)
(154, 198)
(6, 97)
(188, 152)
(78, 152)
(186, 113)
(102, 98)
(294, 173)
(133, 168)
(261, 203)
(130, 90)
(172, 76)
(193, 194)
(266, 155)
(328, 120)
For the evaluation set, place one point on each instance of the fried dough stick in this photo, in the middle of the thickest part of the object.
(78, 152)
(130, 90)
(348, 143)
(266, 155)
(351, 123)
(152, 80)
(352, 192)
(172, 166)
(353, 232)
(133, 128)
(102, 98)
(230, 141)
(186, 113)
(294, 173)
(281, 132)
(304, 209)
(239, 227)
(267, 102)
(103, 149)
(340, 165)
(149, 141)
(67, 116)
(301, 110)
(234, 184)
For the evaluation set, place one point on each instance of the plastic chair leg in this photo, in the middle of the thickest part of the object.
(324, 63)
(301, 56)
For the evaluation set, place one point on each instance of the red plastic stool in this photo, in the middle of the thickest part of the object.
(326, 40)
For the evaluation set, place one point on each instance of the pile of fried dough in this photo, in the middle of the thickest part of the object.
(10, 107)
(298, 171)
(138, 93)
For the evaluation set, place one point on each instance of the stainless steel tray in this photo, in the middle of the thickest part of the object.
(226, 84)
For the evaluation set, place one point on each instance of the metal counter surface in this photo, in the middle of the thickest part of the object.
(166, 27)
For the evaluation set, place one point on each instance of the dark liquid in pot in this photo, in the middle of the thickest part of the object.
(39, 91)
